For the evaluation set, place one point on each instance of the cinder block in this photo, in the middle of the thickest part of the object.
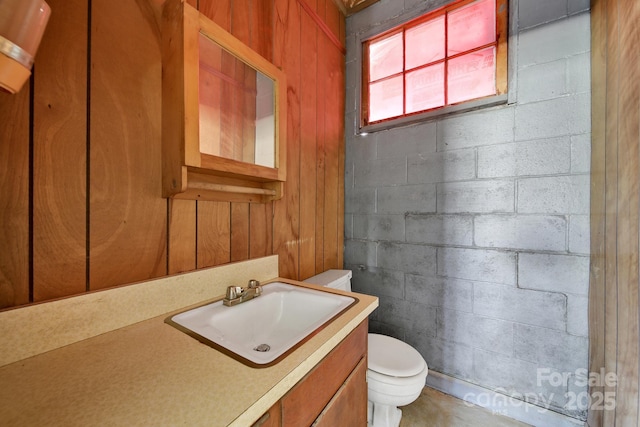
(538, 157)
(555, 273)
(379, 227)
(409, 258)
(407, 141)
(444, 166)
(554, 195)
(443, 356)
(359, 252)
(487, 127)
(555, 40)
(546, 309)
(351, 89)
(361, 149)
(374, 15)
(351, 47)
(476, 197)
(408, 315)
(568, 115)
(581, 153)
(406, 198)
(550, 348)
(360, 200)
(384, 172)
(579, 73)
(545, 233)
(454, 294)
(380, 327)
(579, 234)
(542, 81)
(536, 12)
(440, 229)
(516, 378)
(577, 6)
(377, 281)
(578, 315)
(478, 264)
(476, 331)
(348, 226)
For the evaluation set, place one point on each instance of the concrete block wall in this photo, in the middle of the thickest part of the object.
(473, 229)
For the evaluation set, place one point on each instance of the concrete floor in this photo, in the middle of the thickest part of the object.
(436, 409)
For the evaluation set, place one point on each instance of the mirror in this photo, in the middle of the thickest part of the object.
(224, 113)
(237, 112)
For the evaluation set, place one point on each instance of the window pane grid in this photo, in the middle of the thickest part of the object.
(418, 73)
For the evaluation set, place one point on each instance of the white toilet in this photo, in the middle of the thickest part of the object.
(396, 372)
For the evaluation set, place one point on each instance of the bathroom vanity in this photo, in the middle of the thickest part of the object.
(59, 366)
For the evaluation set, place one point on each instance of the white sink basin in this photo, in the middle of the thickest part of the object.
(261, 330)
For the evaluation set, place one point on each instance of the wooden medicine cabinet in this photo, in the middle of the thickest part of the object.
(223, 113)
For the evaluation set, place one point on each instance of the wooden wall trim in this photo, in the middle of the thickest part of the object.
(324, 27)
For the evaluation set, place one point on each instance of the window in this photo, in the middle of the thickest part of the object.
(455, 54)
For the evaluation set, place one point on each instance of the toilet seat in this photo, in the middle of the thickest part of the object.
(391, 357)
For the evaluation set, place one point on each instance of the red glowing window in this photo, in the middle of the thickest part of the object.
(452, 55)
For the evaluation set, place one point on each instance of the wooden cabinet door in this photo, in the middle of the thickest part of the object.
(301, 406)
(349, 405)
(271, 418)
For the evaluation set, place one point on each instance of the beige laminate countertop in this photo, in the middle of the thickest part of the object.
(151, 374)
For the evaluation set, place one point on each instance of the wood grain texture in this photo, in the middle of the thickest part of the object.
(286, 238)
(334, 145)
(182, 236)
(628, 251)
(614, 308)
(14, 198)
(134, 233)
(214, 234)
(307, 399)
(308, 135)
(60, 135)
(597, 279)
(128, 219)
(349, 406)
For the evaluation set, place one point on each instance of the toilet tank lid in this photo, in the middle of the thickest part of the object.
(390, 356)
(329, 276)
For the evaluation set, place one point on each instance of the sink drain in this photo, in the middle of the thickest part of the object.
(263, 348)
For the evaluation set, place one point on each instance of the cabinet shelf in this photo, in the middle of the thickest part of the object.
(223, 113)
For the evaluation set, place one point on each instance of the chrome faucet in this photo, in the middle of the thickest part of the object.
(238, 294)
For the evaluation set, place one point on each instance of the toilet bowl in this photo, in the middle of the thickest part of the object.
(396, 372)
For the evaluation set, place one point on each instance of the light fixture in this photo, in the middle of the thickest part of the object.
(22, 23)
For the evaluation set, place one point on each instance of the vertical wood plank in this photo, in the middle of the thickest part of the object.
(614, 316)
(261, 215)
(628, 215)
(241, 29)
(611, 178)
(219, 11)
(14, 198)
(287, 210)
(262, 28)
(321, 136)
(128, 216)
(308, 114)
(214, 234)
(59, 154)
(334, 142)
(597, 279)
(182, 236)
(239, 231)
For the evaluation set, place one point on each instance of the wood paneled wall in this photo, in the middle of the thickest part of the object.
(80, 153)
(614, 307)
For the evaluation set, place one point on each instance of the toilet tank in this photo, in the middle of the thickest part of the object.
(335, 279)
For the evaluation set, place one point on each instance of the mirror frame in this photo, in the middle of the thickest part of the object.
(188, 173)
